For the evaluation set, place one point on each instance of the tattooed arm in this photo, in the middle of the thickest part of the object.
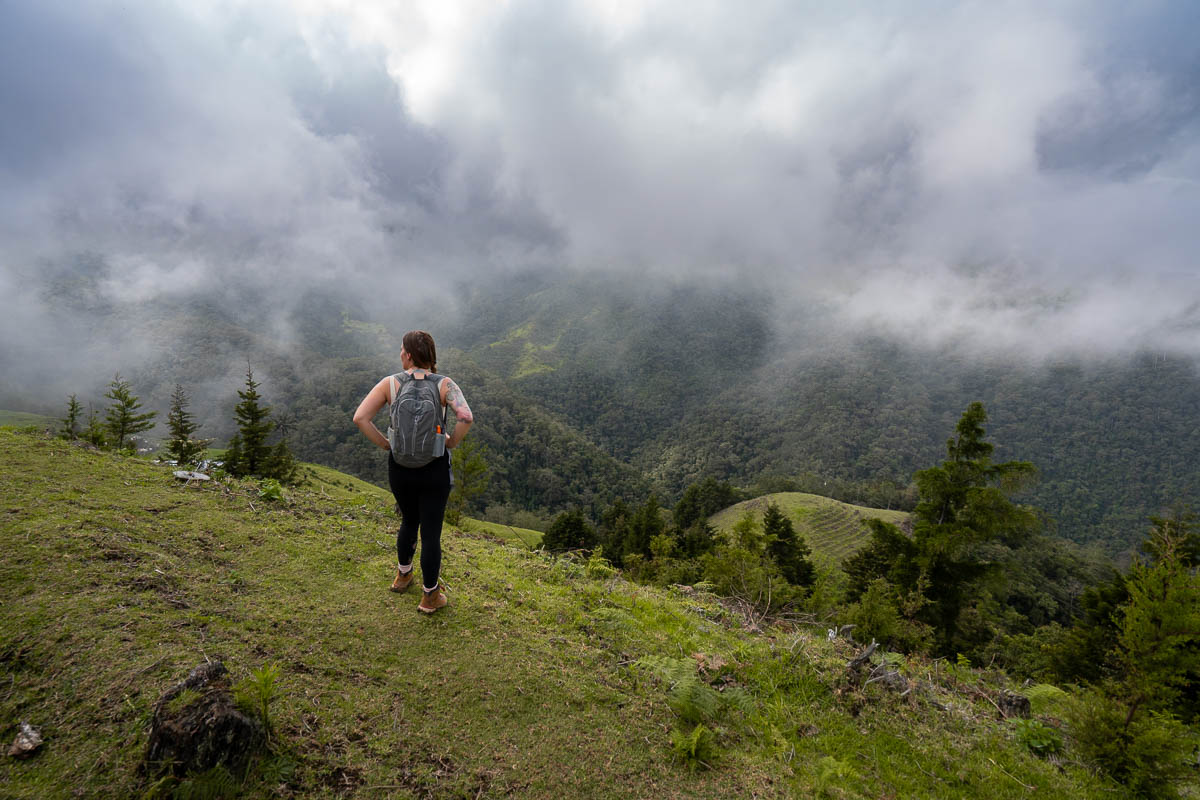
(453, 397)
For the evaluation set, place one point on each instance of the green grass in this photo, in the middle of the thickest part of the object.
(523, 536)
(21, 419)
(347, 490)
(834, 530)
(118, 579)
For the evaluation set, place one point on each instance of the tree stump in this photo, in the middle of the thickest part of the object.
(199, 731)
(1012, 704)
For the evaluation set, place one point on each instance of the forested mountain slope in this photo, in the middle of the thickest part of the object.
(588, 388)
(691, 381)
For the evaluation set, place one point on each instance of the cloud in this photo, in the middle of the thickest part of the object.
(1007, 174)
(893, 161)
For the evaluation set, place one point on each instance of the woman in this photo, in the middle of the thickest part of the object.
(421, 492)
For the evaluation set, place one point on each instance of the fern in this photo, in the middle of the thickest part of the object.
(693, 700)
(830, 771)
(696, 749)
(1047, 699)
(599, 567)
(217, 783)
(738, 699)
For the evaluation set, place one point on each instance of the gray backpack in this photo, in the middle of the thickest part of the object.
(417, 433)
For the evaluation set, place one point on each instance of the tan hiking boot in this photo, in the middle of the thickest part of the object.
(432, 601)
(403, 580)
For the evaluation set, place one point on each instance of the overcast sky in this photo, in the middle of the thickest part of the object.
(1017, 174)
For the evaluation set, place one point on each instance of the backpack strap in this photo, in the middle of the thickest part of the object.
(397, 382)
(437, 383)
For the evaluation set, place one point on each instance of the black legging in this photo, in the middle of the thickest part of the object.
(421, 494)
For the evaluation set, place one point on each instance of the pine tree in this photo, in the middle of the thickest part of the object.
(569, 531)
(964, 503)
(182, 447)
(647, 523)
(248, 452)
(121, 418)
(471, 477)
(94, 432)
(789, 550)
(70, 423)
(1159, 635)
(1130, 726)
(281, 464)
(614, 530)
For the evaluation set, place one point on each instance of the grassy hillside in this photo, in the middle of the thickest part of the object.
(23, 418)
(832, 529)
(537, 681)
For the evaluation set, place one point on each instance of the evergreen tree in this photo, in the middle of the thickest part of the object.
(1159, 636)
(248, 452)
(121, 418)
(1129, 726)
(701, 500)
(645, 525)
(698, 539)
(281, 464)
(569, 531)
(94, 432)
(70, 423)
(614, 530)
(789, 550)
(964, 503)
(471, 477)
(890, 555)
(182, 447)
(1180, 531)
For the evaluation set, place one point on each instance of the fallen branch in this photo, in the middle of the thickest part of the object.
(863, 657)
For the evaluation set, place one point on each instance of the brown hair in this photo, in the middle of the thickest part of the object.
(419, 345)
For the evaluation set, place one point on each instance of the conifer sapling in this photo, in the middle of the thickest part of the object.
(121, 418)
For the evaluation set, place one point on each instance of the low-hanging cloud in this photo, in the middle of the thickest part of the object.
(1008, 175)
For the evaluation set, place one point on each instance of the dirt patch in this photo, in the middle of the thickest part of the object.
(343, 780)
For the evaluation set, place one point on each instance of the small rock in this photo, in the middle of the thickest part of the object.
(207, 731)
(185, 475)
(28, 740)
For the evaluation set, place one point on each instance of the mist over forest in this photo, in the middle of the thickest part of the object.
(786, 241)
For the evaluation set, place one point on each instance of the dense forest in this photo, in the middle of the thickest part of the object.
(589, 389)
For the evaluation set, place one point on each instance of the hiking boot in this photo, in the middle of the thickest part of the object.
(403, 580)
(432, 601)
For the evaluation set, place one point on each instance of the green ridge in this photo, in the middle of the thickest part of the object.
(833, 529)
(536, 682)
